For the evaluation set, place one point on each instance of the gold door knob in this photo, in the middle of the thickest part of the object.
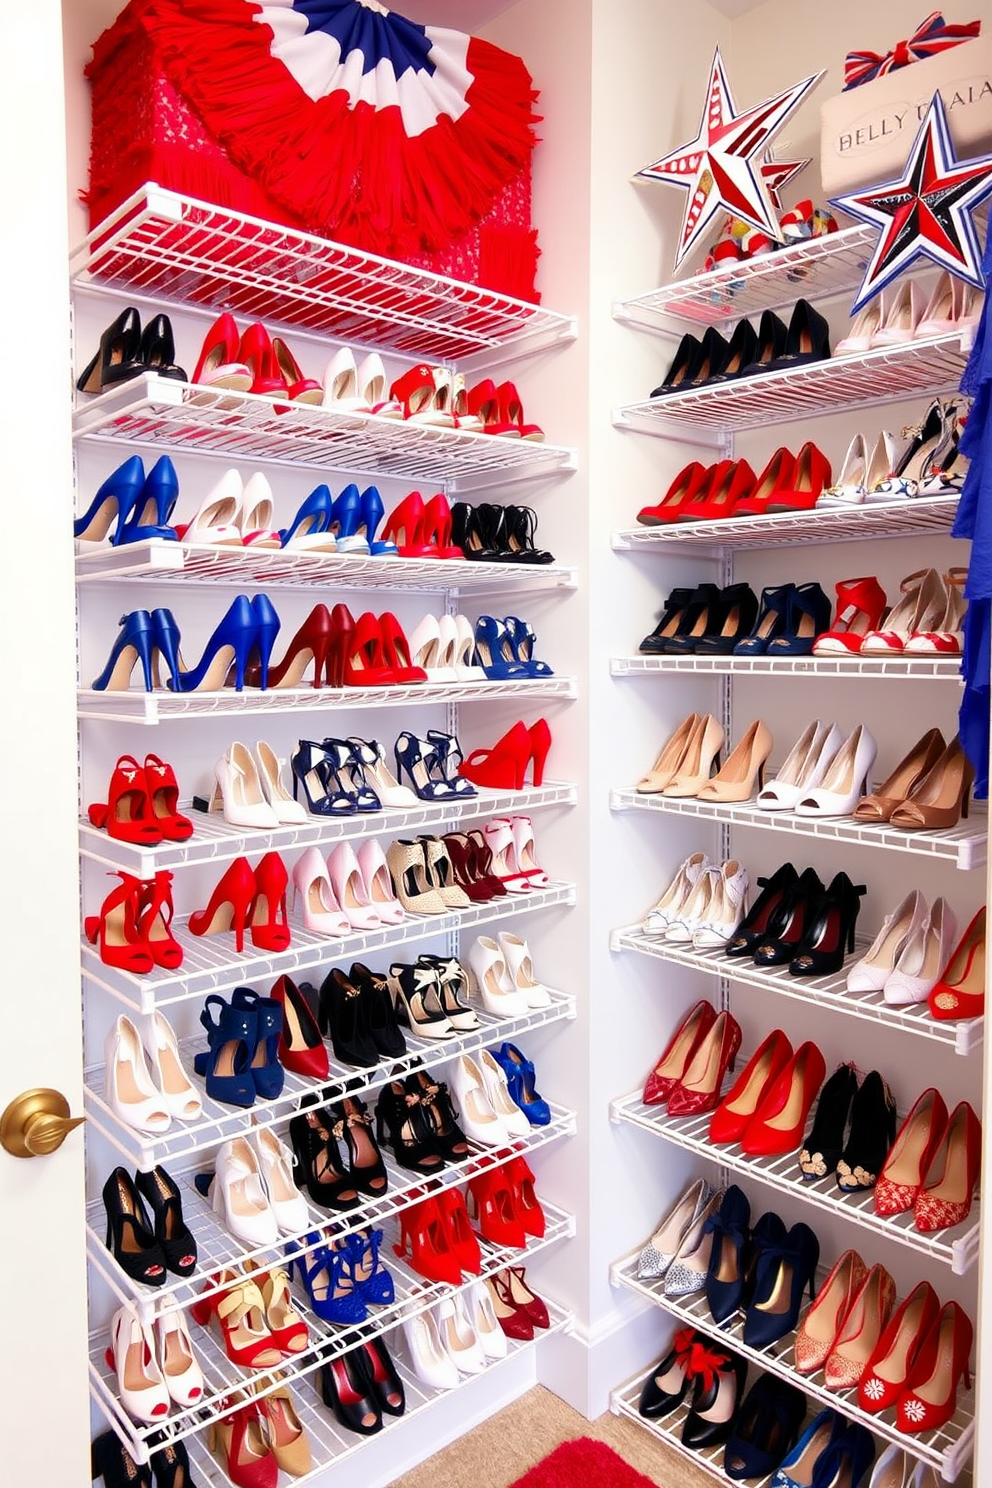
(36, 1123)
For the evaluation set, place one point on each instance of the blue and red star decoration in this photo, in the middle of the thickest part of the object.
(926, 213)
(727, 166)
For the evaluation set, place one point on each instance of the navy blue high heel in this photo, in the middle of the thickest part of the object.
(316, 771)
(808, 617)
(418, 758)
(772, 621)
(230, 644)
(766, 1428)
(372, 514)
(312, 521)
(266, 629)
(350, 767)
(152, 512)
(267, 1074)
(231, 1040)
(494, 651)
(135, 642)
(730, 1227)
(791, 1267)
(114, 499)
(347, 518)
(522, 638)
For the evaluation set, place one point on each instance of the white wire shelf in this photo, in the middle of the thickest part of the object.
(210, 963)
(826, 991)
(948, 1449)
(202, 563)
(217, 1250)
(134, 706)
(964, 845)
(873, 519)
(813, 270)
(172, 247)
(331, 1444)
(215, 840)
(957, 1247)
(153, 412)
(219, 1122)
(915, 668)
(914, 369)
(222, 1377)
(668, 1430)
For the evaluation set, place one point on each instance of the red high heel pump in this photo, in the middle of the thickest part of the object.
(341, 639)
(405, 527)
(678, 1052)
(302, 1051)
(299, 389)
(424, 1233)
(483, 404)
(267, 916)
(690, 479)
(256, 352)
(721, 496)
(155, 914)
(396, 649)
(116, 930)
(436, 528)
(960, 992)
(540, 743)
(810, 478)
(503, 766)
(779, 1122)
(523, 1198)
(127, 814)
(731, 1117)
(910, 1155)
(945, 1197)
(491, 1199)
(778, 475)
(228, 905)
(220, 364)
(894, 1356)
(365, 662)
(511, 415)
(932, 1396)
(311, 643)
(461, 1238)
(698, 1089)
(163, 793)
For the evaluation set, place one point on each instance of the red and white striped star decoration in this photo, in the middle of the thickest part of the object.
(724, 167)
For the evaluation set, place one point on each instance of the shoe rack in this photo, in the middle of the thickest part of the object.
(826, 401)
(178, 255)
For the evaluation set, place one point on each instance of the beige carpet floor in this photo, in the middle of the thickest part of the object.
(503, 1448)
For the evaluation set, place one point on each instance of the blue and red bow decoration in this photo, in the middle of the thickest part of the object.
(930, 38)
(364, 126)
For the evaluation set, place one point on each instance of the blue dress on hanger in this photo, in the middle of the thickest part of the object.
(974, 520)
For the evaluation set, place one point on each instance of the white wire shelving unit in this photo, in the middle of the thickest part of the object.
(948, 1449)
(160, 561)
(218, 1251)
(182, 1142)
(921, 517)
(331, 1444)
(825, 991)
(135, 706)
(957, 1247)
(223, 1378)
(211, 964)
(964, 845)
(215, 840)
(152, 412)
(912, 668)
(167, 246)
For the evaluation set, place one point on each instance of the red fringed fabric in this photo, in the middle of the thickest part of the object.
(348, 173)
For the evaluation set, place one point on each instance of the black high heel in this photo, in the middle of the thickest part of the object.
(772, 339)
(353, 1128)
(111, 1461)
(697, 618)
(520, 524)
(401, 1124)
(668, 1383)
(343, 1017)
(787, 927)
(705, 1426)
(668, 626)
(713, 353)
(117, 358)
(873, 1131)
(684, 369)
(171, 1467)
(158, 349)
(733, 620)
(377, 1007)
(171, 1230)
(435, 1102)
(829, 932)
(823, 1147)
(318, 1162)
(129, 1237)
(808, 339)
(346, 1389)
(473, 529)
(742, 348)
(387, 1387)
(756, 922)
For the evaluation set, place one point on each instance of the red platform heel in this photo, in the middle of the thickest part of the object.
(405, 527)
(163, 793)
(229, 904)
(436, 528)
(460, 1236)
(491, 1200)
(155, 914)
(127, 814)
(115, 930)
(860, 607)
(220, 364)
(256, 352)
(690, 479)
(525, 1201)
(503, 767)
(423, 1232)
(267, 916)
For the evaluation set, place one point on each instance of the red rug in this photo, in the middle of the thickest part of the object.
(583, 1463)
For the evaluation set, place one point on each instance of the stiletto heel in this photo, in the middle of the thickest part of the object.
(319, 1162)
(115, 499)
(172, 1233)
(311, 643)
(134, 643)
(116, 929)
(698, 1089)
(829, 929)
(734, 781)
(230, 645)
(118, 357)
(938, 798)
(959, 991)
(730, 1119)
(229, 904)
